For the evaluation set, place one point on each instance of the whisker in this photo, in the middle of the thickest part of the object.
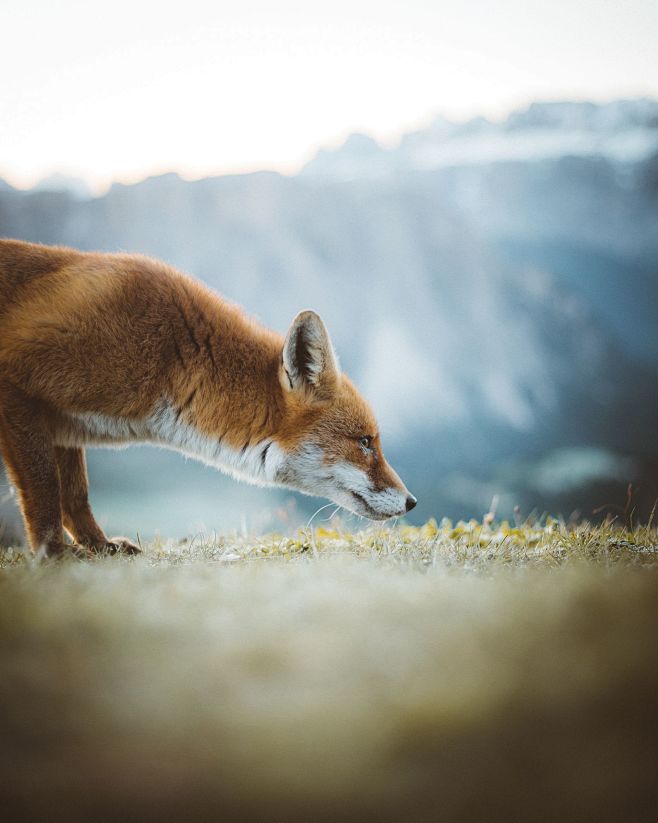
(316, 554)
(333, 514)
(321, 509)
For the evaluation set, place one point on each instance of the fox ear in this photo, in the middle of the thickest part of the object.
(309, 364)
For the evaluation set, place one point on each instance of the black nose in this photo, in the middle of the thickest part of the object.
(411, 502)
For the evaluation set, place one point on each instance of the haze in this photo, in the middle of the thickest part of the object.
(117, 91)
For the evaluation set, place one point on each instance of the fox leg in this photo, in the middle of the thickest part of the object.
(78, 519)
(29, 456)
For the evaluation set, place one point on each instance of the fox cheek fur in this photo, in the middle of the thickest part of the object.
(109, 349)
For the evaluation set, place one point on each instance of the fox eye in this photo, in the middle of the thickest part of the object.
(365, 442)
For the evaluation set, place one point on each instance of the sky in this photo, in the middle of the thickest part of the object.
(117, 91)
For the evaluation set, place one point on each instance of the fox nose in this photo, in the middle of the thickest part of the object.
(411, 502)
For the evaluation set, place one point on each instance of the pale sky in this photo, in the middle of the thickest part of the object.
(119, 90)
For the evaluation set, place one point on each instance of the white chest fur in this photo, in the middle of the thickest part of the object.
(257, 463)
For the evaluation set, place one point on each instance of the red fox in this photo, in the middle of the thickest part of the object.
(108, 349)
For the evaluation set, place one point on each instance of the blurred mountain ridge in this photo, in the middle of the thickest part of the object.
(620, 130)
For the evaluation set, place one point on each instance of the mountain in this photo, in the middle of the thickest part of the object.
(499, 314)
(623, 131)
(64, 183)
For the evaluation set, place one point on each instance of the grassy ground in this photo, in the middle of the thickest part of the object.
(457, 673)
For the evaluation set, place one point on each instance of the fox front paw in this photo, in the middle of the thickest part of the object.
(122, 545)
(117, 545)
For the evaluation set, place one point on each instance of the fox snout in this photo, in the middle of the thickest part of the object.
(379, 505)
(377, 493)
(388, 505)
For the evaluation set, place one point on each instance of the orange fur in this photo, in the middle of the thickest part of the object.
(113, 347)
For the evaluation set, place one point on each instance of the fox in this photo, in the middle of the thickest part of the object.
(108, 349)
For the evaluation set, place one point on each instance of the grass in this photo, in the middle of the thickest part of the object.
(467, 672)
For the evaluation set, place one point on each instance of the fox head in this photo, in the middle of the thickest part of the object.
(329, 440)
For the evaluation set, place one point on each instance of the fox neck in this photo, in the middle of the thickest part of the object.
(227, 419)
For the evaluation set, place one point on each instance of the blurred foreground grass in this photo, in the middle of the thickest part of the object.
(449, 672)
